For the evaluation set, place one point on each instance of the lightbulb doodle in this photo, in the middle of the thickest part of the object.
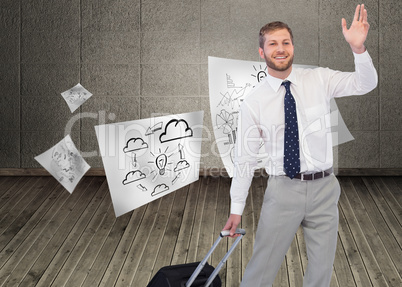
(161, 162)
(261, 72)
(150, 158)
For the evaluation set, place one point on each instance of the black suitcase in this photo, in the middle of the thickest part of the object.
(195, 274)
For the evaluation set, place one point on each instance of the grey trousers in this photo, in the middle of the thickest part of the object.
(287, 205)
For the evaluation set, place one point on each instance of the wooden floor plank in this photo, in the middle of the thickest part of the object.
(15, 192)
(388, 229)
(42, 252)
(397, 188)
(207, 236)
(32, 229)
(294, 265)
(180, 253)
(24, 222)
(83, 266)
(334, 280)
(390, 192)
(96, 271)
(196, 228)
(115, 266)
(302, 248)
(164, 257)
(248, 222)
(386, 211)
(282, 277)
(6, 182)
(146, 265)
(138, 247)
(349, 208)
(372, 224)
(344, 276)
(19, 201)
(62, 239)
(52, 266)
(30, 249)
(8, 247)
(234, 266)
(348, 244)
(222, 215)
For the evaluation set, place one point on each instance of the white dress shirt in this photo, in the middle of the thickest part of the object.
(262, 117)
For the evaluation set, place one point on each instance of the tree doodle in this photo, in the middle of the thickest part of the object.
(227, 122)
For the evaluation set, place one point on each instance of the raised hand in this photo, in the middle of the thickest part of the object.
(357, 33)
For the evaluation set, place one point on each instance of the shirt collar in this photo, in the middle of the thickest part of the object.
(276, 83)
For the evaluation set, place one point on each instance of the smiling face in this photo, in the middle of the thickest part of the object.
(278, 53)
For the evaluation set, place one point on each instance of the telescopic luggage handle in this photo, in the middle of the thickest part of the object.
(200, 266)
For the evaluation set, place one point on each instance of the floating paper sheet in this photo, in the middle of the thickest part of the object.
(76, 96)
(149, 158)
(229, 82)
(64, 163)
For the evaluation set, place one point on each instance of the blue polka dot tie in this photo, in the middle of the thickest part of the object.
(291, 161)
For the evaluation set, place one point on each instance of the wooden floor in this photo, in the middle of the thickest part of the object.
(51, 238)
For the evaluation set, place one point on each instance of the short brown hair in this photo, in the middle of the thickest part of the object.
(271, 27)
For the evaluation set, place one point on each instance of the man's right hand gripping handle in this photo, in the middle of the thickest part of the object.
(232, 223)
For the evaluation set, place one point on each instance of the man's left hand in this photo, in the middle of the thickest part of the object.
(357, 33)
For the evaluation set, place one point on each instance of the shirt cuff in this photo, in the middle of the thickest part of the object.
(237, 208)
(362, 58)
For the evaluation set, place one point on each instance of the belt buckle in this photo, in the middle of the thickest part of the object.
(321, 172)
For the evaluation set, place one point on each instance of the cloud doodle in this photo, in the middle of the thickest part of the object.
(159, 189)
(135, 144)
(181, 165)
(133, 176)
(174, 130)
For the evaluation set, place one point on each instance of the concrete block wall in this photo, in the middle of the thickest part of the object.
(143, 58)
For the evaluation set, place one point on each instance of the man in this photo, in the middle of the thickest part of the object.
(289, 110)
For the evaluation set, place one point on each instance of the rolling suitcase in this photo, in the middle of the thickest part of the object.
(195, 274)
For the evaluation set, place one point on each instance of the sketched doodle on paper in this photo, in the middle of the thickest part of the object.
(229, 83)
(76, 96)
(64, 162)
(150, 158)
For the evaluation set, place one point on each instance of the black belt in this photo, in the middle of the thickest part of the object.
(313, 176)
